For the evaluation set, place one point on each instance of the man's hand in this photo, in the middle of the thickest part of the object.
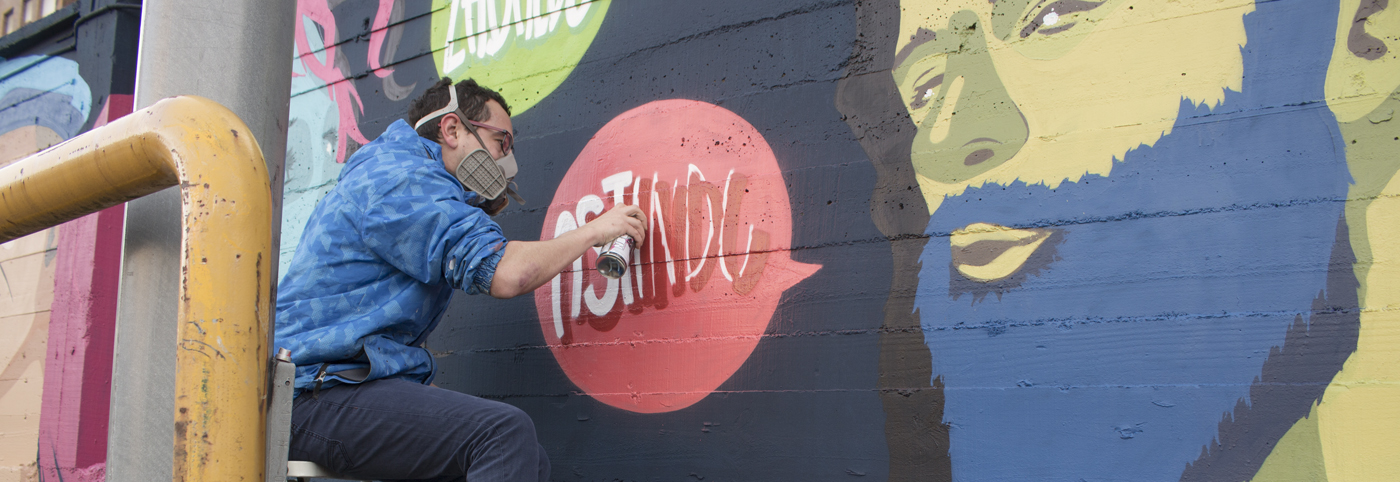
(620, 220)
(527, 265)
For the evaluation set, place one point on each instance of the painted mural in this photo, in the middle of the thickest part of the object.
(326, 106)
(316, 143)
(527, 47)
(43, 100)
(620, 340)
(1360, 406)
(1138, 234)
(919, 240)
(736, 328)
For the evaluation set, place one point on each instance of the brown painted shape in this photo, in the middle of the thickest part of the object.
(915, 434)
(1361, 43)
(21, 387)
(702, 246)
(23, 141)
(26, 276)
(1038, 262)
(29, 351)
(916, 437)
(982, 253)
(745, 263)
(653, 252)
(26, 294)
(675, 233)
(1314, 350)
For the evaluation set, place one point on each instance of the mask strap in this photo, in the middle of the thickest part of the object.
(478, 138)
(510, 191)
(451, 107)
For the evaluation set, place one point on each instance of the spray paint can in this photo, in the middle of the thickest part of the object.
(612, 262)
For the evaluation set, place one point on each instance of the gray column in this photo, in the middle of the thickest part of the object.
(237, 53)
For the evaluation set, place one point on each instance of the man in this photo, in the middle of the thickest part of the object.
(1136, 266)
(408, 223)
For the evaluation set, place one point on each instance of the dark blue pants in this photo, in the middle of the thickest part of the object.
(400, 430)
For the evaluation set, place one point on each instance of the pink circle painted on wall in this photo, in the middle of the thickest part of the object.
(702, 288)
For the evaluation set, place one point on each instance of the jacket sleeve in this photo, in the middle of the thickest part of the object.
(429, 232)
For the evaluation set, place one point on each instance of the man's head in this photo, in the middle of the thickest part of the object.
(472, 101)
(465, 118)
(1044, 92)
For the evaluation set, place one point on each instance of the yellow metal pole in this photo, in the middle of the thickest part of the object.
(225, 273)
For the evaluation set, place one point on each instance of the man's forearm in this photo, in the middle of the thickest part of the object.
(527, 265)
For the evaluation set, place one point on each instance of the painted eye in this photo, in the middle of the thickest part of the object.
(329, 141)
(928, 89)
(1057, 17)
(919, 66)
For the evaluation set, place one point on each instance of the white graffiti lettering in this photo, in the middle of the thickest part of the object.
(486, 24)
(702, 217)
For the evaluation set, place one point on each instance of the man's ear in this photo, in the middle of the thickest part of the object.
(449, 129)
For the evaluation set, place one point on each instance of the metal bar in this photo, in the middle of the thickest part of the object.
(224, 296)
(279, 416)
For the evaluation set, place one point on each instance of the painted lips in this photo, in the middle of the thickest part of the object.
(988, 252)
(702, 288)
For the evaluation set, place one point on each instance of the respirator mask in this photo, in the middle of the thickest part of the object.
(478, 171)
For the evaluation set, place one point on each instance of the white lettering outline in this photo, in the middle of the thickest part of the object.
(615, 187)
(658, 226)
(452, 58)
(598, 306)
(719, 252)
(710, 208)
(563, 224)
(635, 257)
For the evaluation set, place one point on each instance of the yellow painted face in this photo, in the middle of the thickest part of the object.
(1365, 66)
(1047, 91)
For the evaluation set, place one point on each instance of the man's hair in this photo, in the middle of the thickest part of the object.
(471, 102)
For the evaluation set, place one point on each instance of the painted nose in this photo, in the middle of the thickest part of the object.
(978, 126)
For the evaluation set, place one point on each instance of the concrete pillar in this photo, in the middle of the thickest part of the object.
(237, 53)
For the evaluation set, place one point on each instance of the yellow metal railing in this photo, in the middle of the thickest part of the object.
(225, 272)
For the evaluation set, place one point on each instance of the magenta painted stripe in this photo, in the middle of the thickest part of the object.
(78, 364)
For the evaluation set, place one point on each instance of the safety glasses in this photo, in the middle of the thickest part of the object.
(508, 140)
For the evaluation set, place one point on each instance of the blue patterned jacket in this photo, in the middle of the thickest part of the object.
(378, 263)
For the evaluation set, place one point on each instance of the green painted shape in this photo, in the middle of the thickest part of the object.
(1298, 455)
(1371, 144)
(523, 66)
(983, 107)
(1006, 15)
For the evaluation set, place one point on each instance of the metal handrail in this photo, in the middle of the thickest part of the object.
(225, 288)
